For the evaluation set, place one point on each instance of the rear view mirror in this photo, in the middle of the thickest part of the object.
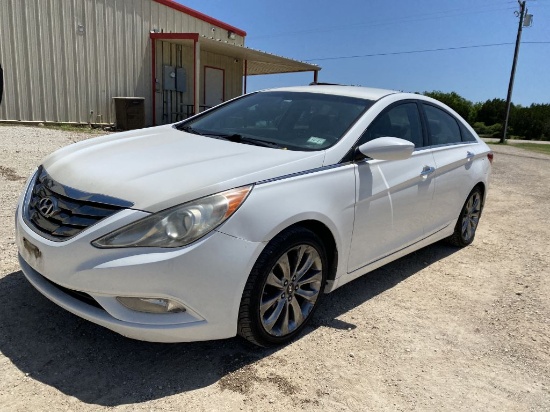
(387, 148)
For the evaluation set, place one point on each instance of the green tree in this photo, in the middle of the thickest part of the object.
(459, 104)
(531, 123)
(492, 111)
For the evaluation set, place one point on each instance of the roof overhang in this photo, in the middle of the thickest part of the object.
(257, 62)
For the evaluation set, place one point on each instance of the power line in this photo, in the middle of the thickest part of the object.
(410, 19)
(423, 51)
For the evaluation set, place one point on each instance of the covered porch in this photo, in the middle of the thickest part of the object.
(191, 73)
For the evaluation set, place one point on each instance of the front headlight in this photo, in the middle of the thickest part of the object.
(179, 225)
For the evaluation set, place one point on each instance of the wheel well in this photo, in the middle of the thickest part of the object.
(327, 238)
(481, 187)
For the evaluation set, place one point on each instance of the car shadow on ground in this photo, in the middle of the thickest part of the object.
(100, 367)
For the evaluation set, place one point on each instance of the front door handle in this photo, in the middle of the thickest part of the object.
(428, 170)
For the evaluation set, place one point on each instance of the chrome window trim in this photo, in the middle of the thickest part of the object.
(305, 172)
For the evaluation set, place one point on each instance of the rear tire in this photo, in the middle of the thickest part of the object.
(466, 226)
(284, 288)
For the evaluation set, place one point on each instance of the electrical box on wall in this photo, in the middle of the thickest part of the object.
(181, 80)
(169, 77)
(174, 78)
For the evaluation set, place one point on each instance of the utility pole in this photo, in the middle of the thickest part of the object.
(521, 15)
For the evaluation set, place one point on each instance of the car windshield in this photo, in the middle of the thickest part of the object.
(281, 119)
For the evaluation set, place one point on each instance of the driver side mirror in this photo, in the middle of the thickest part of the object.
(386, 148)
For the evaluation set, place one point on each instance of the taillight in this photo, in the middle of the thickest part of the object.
(490, 156)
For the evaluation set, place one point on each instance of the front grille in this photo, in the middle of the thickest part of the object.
(60, 212)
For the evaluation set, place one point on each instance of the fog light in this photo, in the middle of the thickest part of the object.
(151, 305)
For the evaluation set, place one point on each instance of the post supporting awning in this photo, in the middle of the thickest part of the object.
(196, 75)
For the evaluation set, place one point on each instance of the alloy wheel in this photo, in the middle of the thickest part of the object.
(291, 290)
(470, 216)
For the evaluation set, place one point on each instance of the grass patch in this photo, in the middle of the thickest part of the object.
(534, 147)
(74, 128)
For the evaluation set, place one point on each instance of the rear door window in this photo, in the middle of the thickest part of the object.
(442, 127)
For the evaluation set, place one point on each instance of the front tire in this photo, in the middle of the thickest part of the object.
(284, 288)
(466, 226)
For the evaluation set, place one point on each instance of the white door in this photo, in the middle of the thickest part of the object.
(213, 86)
(393, 198)
(454, 158)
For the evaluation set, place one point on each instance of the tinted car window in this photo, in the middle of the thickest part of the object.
(443, 128)
(294, 120)
(467, 136)
(401, 121)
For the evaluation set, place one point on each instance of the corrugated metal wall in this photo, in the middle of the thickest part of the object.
(63, 59)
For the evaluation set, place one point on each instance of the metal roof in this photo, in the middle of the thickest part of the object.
(257, 61)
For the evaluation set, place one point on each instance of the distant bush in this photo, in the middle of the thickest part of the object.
(481, 128)
(494, 130)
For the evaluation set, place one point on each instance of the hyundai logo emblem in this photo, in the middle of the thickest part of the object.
(48, 207)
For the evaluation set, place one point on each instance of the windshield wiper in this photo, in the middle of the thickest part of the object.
(239, 138)
(190, 129)
(232, 137)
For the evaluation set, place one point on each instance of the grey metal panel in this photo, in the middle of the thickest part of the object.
(63, 59)
(169, 77)
(181, 80)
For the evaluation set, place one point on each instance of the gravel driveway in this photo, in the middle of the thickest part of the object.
(442, 329)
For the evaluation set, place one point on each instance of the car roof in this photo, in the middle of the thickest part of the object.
(368, 93)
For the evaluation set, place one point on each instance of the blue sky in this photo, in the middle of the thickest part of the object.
(322, 29)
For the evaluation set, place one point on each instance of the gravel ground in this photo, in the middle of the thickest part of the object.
(442, 329)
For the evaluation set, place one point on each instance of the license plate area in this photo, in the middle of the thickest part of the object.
(30, 252)
(31, 249)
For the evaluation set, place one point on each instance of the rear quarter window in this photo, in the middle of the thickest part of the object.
(467, 136)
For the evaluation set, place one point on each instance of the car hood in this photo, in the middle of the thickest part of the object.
(161, 167)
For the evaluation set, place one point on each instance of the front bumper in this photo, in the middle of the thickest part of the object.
(206, 277)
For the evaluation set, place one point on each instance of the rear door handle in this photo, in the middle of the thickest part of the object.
(428, 170)
(470, 155)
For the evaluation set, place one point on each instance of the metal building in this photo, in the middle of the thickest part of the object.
(65, 60)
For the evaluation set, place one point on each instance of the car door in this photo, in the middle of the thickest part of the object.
(393, 198)
(454, 151)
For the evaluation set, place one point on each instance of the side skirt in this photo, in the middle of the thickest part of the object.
(348, 277)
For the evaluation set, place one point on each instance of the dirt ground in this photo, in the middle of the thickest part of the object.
(440, 330)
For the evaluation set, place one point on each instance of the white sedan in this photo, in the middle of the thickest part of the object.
(238, 220)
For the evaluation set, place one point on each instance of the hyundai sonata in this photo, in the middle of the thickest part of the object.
(239, 219)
